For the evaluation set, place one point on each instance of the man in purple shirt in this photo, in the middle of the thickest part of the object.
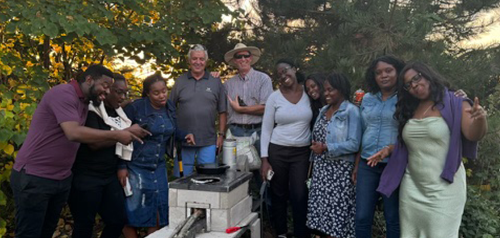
(41, 178)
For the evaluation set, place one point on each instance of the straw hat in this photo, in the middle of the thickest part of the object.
(228, 57)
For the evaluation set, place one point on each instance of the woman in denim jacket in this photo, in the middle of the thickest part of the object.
(380, 132)
(336, 140)
(147, 171)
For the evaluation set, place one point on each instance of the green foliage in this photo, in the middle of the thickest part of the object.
(345, 36)
(326, 35)
(481, 217)
(44, 43)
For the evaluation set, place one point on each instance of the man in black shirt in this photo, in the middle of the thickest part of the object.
(95, 187)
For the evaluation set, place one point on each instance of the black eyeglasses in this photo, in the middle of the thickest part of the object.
(242, 56)
(415, 79)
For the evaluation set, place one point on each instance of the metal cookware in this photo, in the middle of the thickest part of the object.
(211, 168)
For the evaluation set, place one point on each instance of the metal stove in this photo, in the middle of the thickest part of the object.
(222, 200)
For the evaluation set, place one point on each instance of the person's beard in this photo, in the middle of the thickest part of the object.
(94, 97)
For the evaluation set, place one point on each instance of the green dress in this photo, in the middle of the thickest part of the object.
(430, 207)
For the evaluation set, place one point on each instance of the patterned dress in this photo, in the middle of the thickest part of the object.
(332, 198)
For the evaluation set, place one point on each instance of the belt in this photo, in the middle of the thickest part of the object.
(247, 126)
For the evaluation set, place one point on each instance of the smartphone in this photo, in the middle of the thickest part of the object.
(144, 126)
(241, 102)
(270, 175)
(127, 189)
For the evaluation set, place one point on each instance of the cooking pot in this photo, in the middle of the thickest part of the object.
(211, 168)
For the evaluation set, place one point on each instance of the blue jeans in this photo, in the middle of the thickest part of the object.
(204, 155)
(367, 198)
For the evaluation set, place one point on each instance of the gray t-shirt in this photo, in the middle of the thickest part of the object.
(198, 104)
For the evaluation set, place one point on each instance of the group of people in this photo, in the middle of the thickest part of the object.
(403, 143)
(87, 148)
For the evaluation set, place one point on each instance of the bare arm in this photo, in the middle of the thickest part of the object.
(222, 121)
(82, 134)
(253, 110)
(474, 124)
(134, 129)
(222, 127)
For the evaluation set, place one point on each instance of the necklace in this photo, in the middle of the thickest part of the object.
(426, 110)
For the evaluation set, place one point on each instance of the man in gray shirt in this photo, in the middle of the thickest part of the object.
(199, 98)
(247, 91)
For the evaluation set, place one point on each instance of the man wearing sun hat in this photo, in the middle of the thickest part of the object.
(252, 87)
(247, 91)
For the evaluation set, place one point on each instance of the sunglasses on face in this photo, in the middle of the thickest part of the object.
(242, 56)
(415, 79)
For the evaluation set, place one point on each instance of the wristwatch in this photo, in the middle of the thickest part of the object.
(221, 134)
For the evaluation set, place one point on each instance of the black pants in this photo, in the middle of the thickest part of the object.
(290, 166)
(38, 203)
(91, 195)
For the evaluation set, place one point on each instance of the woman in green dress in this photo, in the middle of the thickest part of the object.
(436, 129)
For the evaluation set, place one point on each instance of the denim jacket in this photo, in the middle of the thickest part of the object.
(379, 127)
(344, 132)
(161, 123)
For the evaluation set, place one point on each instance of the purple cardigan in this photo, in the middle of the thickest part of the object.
(451, 111)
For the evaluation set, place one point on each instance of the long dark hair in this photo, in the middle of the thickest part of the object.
(316, 105)
(370, 76)
(407, 104)
(298, 74)
(318, 79)
(150, 80)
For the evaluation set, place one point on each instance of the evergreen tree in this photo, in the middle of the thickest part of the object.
(345, 35)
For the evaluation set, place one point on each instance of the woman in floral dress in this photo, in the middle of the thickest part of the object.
(336, 139)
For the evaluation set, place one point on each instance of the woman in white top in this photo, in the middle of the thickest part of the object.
(285, 142)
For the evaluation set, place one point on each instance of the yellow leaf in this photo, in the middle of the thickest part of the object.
(57, 49)
(10, 107)
(7, 69)
(485, 187)
(24, 105)
(9, 149)
(29, 64)
(13, 83)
